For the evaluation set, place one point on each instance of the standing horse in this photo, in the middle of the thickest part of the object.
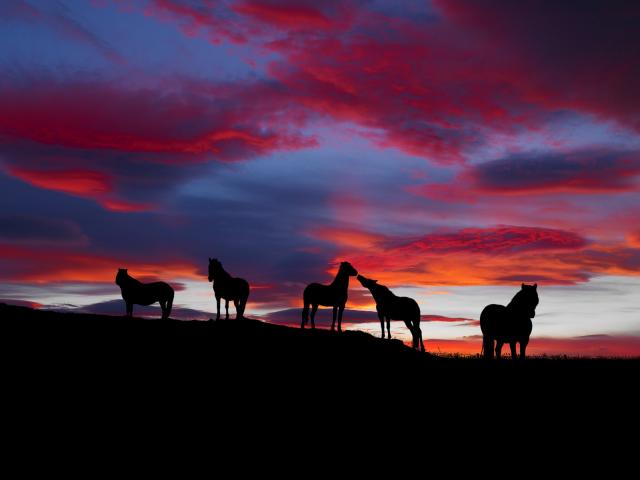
(334, 295)
(228, 287)
(510, 324)
(392, 307)
(136, 292)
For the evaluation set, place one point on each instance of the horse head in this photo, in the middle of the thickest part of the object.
(347, 269)
(529, 299)
(121, 276)
(214, 266)
(368, 283)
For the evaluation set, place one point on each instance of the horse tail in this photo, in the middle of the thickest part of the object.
(418, 330)
(169, 303)
(305, 309)
(244, 300)
(422, 349)
(305, 315)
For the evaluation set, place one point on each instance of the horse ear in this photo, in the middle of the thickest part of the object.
(523, 285)
(209, 259)
(535, 285)
(374, 281)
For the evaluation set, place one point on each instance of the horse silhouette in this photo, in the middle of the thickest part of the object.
(136, 292)
(334, 295)
(510, 324)
(392, 307)
(229, 288)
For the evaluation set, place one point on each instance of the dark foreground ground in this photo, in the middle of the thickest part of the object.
(99, 368)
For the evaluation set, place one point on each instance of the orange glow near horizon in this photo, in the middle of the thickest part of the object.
(69, 266)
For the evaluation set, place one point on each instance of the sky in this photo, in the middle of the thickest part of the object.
(452, 150)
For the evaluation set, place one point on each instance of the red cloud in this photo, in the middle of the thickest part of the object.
(498, 241)
(575, 58)
(124, 206)
(488, 256)
(92, 139)
(41, 265)
(286, 14)
(634, 239)
(194, 17)
(77, 182)
(433, 88)
(100, 116)
(83, 183)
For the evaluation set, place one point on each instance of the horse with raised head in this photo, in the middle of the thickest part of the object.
(136, 292)
(391, 307)
(229, 288)
(333, 295)
(511, 324)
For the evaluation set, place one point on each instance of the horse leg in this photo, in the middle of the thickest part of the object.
(335, 313)
(523, 348)
(314, 309)
(422, 349)
(217, 308)
(163, 309)
(389, 328)
(226, 307)
(236, 303)
(487, 347)
(340, 312)
(305, 315)
(514, 354)
(498, 349)
(243, 305)
(381, 317)
(129, 309)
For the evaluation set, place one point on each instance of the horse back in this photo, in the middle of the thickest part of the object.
(498, 322)
(162, 288)
(325, 295)
(232, 289)
(399, 308)
(147, 293)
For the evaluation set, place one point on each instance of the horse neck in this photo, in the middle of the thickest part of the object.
(341, 281)
(381, 293)
(221, 275)
(129, 280)
(516, 304)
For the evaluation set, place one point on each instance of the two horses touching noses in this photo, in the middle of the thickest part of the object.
(333, 295)
(388, 305)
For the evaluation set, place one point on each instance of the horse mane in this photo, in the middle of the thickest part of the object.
(381, 291)
(519, 302)
(221, 272)
(128, 280)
